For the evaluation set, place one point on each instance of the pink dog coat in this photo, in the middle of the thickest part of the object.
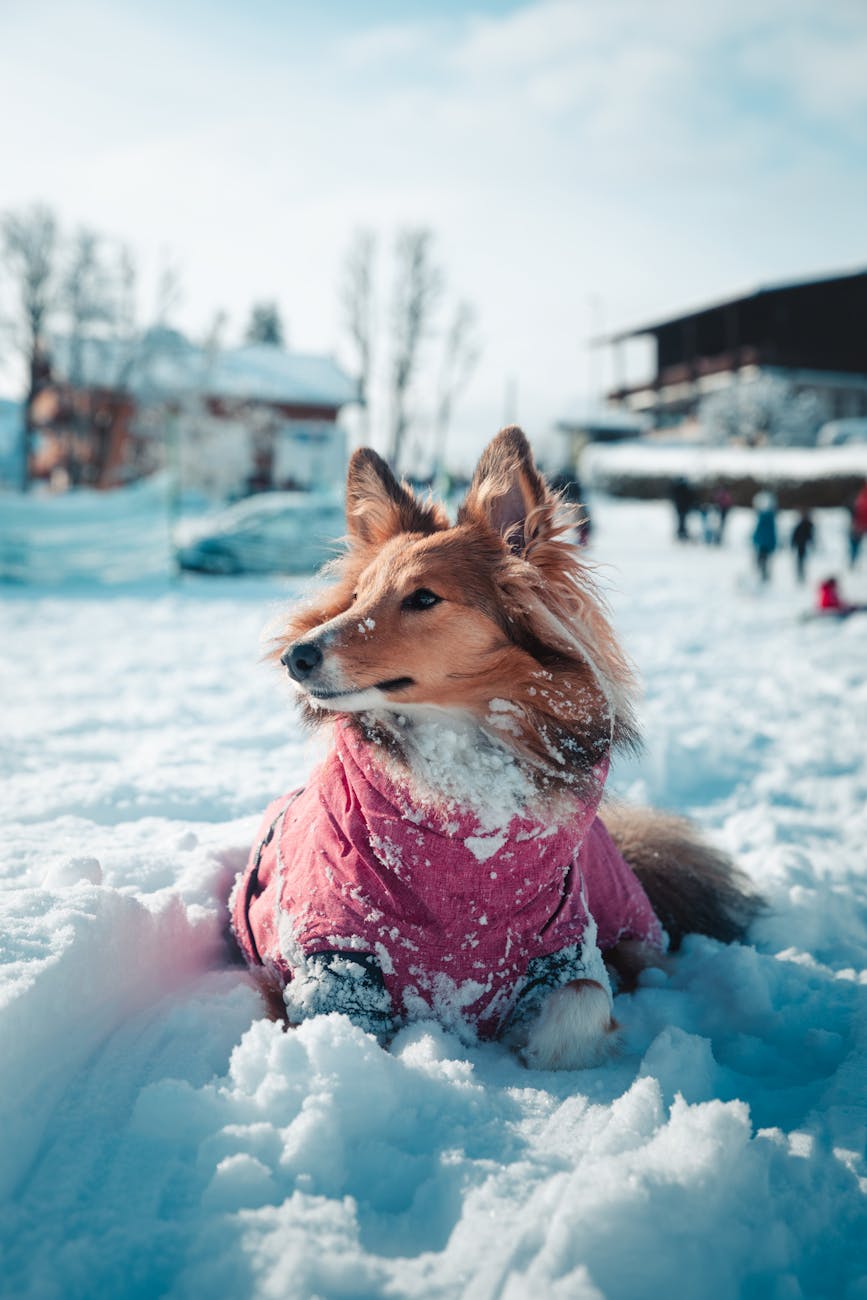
(453, 916)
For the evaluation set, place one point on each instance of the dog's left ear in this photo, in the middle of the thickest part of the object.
(507, 491)
(378, 507)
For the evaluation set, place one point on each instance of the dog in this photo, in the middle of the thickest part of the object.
(449, 858)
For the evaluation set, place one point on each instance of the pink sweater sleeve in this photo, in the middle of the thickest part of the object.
(615, 898)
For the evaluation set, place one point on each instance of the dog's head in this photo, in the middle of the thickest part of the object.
(494, 617)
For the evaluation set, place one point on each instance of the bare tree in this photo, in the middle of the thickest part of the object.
(356, 292)
(125, 287)
(139, 401)
(88, 300)
(460, 357)
(30, 252)
(106, 364)
(97, 354)
(169, 293)
(86, 296)
(417, 288)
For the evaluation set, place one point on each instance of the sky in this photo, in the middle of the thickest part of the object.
(584, 165)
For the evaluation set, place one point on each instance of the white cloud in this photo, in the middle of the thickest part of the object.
(821, 68)
(383, 45)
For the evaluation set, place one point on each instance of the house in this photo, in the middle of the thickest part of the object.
(224, 421)
(811, 336)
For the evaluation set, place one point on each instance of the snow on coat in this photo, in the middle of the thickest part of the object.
(453, 914)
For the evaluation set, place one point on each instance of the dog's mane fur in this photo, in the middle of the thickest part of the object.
(562, 668)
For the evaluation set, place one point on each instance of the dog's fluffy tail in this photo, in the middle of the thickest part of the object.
(693, 888)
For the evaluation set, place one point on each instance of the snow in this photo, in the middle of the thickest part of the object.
(160, 1136)
(166, 362)
(133, 535)
(448, 760)
(87, 536)
(268, 374)
(601, 461)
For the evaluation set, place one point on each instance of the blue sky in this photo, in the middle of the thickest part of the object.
(584, 164)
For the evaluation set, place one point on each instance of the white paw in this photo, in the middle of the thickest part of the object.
(573, 1030)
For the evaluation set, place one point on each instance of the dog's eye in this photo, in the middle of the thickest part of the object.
(421, 599)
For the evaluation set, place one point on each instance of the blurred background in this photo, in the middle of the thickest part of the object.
(239, 240)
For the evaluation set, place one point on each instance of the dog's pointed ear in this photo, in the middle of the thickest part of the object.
(378, 507)
(507, 489)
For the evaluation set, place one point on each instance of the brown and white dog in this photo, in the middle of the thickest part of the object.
(450, 857)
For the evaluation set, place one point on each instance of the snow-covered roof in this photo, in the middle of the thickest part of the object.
(163, 361)
(266, 372)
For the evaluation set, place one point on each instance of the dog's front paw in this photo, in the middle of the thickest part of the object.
(573, 1030)
(347, 982)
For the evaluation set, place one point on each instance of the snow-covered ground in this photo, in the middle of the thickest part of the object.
(159, 1136)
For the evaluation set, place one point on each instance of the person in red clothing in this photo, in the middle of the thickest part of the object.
(858, 526)
(830, 601)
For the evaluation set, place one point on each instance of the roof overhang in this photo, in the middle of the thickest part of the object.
(683, 317)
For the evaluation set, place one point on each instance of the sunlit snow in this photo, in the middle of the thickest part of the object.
(159, 1136)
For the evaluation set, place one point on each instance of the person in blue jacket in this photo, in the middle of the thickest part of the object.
(765, 533)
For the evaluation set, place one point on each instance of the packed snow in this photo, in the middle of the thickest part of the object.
(161, 1136)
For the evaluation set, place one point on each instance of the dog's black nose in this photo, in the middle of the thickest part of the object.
(302, 659)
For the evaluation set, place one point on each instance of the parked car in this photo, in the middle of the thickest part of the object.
(842, 433)
(272, 532)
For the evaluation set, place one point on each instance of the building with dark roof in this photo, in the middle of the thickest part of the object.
(812, 334)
